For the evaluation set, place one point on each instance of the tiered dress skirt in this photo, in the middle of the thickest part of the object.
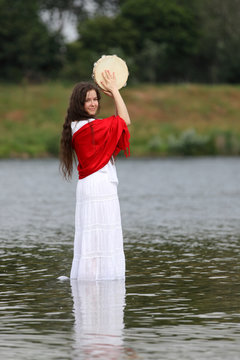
(98, 242)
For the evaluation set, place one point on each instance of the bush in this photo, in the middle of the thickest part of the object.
(188, 143)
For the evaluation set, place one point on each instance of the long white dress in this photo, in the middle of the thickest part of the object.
(98, 241)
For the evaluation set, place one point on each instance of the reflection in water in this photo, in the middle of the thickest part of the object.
(98, 309)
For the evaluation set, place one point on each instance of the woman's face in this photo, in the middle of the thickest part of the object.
(91, 102)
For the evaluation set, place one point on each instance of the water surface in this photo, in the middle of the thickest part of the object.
(181, 296)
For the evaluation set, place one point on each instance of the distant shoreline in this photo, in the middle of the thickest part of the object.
(167, 120)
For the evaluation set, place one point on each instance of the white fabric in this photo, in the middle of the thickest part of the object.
(98, 241)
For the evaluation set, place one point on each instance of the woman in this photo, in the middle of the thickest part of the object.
(98, 241)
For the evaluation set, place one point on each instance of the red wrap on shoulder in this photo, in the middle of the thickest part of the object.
(96, 142)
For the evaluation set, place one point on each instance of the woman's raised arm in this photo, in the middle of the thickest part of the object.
(110, 88)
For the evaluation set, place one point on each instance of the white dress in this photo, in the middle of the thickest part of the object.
(98, 241)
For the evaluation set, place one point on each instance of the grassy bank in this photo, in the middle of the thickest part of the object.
(166, 120)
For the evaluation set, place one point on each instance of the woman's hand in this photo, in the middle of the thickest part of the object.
(109, 83)
(109, 87)
(107, 93)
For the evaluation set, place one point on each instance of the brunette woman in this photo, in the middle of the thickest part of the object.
(98, 242)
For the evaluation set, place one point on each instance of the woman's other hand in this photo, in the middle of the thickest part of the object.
(107, 93)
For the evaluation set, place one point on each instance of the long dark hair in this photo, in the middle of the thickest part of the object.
(75, 112)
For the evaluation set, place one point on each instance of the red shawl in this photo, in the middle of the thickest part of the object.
(96, 142)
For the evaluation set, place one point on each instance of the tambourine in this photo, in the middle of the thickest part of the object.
(113, 63)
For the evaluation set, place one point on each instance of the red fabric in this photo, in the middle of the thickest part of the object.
(96, 142)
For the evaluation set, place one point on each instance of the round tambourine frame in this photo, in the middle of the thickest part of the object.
(113, 63)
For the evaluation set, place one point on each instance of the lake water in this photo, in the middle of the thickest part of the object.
(181, 297)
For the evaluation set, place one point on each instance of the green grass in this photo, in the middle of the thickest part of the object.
(166, 119)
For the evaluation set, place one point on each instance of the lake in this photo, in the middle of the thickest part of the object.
(181, 297)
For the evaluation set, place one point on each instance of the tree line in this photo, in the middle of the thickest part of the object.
(161, 40)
